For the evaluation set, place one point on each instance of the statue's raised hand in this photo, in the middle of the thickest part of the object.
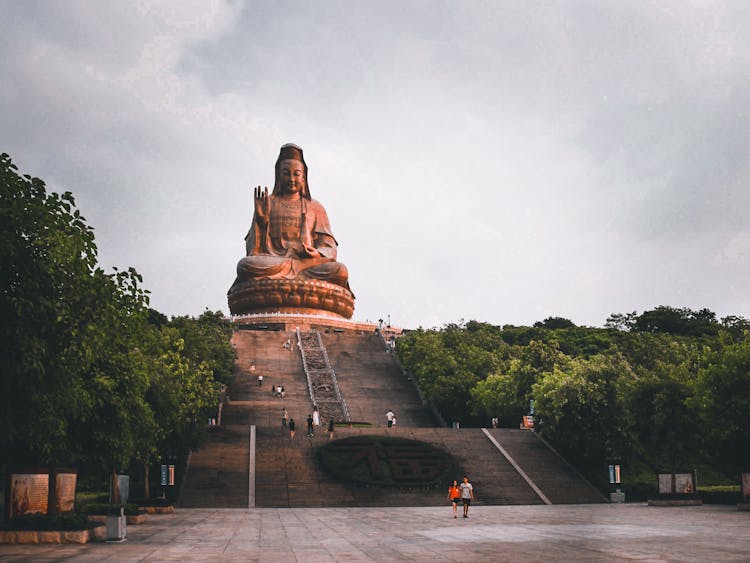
(262, 204)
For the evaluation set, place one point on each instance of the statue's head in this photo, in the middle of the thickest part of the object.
(290, 159)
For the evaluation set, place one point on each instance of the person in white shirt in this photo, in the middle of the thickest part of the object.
(467, 495)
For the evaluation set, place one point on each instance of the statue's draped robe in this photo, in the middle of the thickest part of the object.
(276, 249)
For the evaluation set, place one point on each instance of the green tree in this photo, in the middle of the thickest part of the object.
(723, 399)
(648, 351)
(507, 394)
(48, 310)
(434, 367)
(183, 392)
(207, 339)
(663, 424)
(449, 362)
(736, 326)
(555, 323)
(661, 394)
(120, 427)
(621, 321)
(683, 321)
(580, 410)
(69, 384)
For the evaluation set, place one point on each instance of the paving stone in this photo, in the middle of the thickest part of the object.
(594, 532)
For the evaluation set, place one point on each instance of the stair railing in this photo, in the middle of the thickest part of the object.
(338, 402)
(339, 396)
(304, 366)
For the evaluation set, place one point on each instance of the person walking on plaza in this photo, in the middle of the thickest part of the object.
(330, 429)
(292, 426)
(467, 495)
(454, 496)
(310, 425)
(284, 417)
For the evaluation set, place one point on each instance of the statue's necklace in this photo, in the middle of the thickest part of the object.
(291, 203)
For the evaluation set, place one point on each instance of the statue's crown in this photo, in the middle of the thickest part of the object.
(290, 151)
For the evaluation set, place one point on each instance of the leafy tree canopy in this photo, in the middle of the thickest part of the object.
(665, 388)
(555, 322)
(90, 374)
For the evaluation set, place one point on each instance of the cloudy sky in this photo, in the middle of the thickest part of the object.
(503, 161)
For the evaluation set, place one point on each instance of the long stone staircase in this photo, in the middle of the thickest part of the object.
(372, 382)
(218, 474)
(285, 472)
(321, 378)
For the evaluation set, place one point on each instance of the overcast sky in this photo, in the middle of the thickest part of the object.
(498, 161)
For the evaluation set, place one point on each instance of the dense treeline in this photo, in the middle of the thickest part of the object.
(91, 376)
(665, 389)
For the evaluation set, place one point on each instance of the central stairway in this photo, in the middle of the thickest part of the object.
(321, 379)
(352, 376)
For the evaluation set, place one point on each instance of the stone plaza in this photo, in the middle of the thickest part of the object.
(590, 532)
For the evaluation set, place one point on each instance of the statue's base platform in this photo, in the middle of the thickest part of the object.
(292, 321)
(296, 297)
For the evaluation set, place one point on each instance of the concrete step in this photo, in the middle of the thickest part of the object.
(217, 476)
(253, 404)
(288, 473)
(371, 381)
(559, 482)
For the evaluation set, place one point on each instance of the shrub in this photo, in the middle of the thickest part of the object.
(39, 521)
(130, 509)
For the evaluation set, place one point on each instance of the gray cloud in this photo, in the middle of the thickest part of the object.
(502, 161)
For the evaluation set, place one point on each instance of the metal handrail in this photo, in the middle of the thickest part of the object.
(304, 366)
(333, 377)
(328, 371)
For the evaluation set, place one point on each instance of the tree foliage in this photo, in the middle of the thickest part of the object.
(49, 318)
(663, 388)
(555, 322)
(90, 375)
(670, 320)
(447, 364)
(206, 340)
(579, 406)
(659, 412)
(722, 397)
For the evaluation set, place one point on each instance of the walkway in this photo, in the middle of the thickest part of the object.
(601, 532)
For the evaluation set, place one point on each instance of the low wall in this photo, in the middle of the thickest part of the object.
(51, 536)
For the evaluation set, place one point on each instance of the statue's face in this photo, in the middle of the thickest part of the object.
(291, 176)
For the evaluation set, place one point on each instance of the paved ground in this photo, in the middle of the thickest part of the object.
(492, 533)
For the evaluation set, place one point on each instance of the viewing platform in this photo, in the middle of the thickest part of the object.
(291, 321)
